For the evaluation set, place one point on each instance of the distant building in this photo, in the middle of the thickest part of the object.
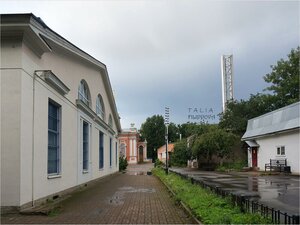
(59, 120)
(131, 147)
(161, 152)
(274, 135)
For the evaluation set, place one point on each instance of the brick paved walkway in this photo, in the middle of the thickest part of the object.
(131, 198)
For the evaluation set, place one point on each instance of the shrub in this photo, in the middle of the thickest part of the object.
(122, 163)
(236, 166)
(158, 163)
(181, 154)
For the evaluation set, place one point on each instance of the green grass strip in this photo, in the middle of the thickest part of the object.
(206, 205)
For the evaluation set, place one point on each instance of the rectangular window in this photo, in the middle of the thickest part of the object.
(281, 150)
(278, 150)
(110, 151)
(85, 146)
(101, 146)
(116, 153)
(53, 138)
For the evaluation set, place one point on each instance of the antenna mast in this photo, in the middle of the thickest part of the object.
(227, 79)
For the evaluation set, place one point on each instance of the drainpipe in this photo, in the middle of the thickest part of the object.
(33, 118)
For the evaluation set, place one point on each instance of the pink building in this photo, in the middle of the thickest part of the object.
(131, 147)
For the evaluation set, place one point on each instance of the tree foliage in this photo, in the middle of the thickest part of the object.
(239, 112)
(153, 130)
(214, 142)
(284, 79)
(181, 153)
(188, 129)
(173, 132)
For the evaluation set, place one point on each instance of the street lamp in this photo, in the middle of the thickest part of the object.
(167, 114)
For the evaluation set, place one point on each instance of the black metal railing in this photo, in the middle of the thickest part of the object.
(245, 204)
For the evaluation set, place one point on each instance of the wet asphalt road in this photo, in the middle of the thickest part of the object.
(281, 192)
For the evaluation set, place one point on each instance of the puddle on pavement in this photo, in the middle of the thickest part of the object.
(118, 198)
(138, 173)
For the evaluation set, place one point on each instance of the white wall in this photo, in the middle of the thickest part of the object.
(10, 137)
(24, 134)
(268, 150)
(10, 121)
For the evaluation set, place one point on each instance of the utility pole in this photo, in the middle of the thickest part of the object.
(167, 114)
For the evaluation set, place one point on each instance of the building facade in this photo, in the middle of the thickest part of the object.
(274, 135)
(131, 147)
(161, 152)
(59, 121)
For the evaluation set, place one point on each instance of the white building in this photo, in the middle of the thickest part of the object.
(59, 121)
(274, 135)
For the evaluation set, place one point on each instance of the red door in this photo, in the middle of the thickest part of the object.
(254, 157)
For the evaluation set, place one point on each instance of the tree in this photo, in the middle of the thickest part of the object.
(239, 112)
(284, 79)
(188, 129)
(153, 130)
(215, 142)
(181, 154)
(173, 132)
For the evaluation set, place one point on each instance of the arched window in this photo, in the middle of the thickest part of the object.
(84, 93)
(122, 150)
(100, 107)
(110, 121)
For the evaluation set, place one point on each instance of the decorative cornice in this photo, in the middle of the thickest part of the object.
(88, 111)
(53, 81)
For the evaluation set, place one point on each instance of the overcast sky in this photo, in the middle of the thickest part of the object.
(168, 53)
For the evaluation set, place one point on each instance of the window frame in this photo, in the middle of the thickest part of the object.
(85, 152)
(280, 150)
(110, 152)
(116, 152)
(100, 109)
(58, 132)
(110, 121)
(122, 147)
(101, 151)
(84, 93)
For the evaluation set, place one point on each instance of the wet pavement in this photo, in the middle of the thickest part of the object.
(277, 191)
(123, 198)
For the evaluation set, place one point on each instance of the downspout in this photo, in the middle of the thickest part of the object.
(33, 118)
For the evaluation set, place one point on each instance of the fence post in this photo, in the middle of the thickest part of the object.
(296, 219)
(285, 218)
(242, 203)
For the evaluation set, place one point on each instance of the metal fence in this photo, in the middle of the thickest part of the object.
(247, 205)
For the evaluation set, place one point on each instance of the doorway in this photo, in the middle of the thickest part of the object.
(141, 154)
(254, 156)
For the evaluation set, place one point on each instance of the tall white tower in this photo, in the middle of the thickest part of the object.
(227, 79)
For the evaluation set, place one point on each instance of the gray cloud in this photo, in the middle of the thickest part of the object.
(168, 52)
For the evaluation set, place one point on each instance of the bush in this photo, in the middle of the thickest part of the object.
(181, 154)
(236, 166)
(122, 163)
(158, 163)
